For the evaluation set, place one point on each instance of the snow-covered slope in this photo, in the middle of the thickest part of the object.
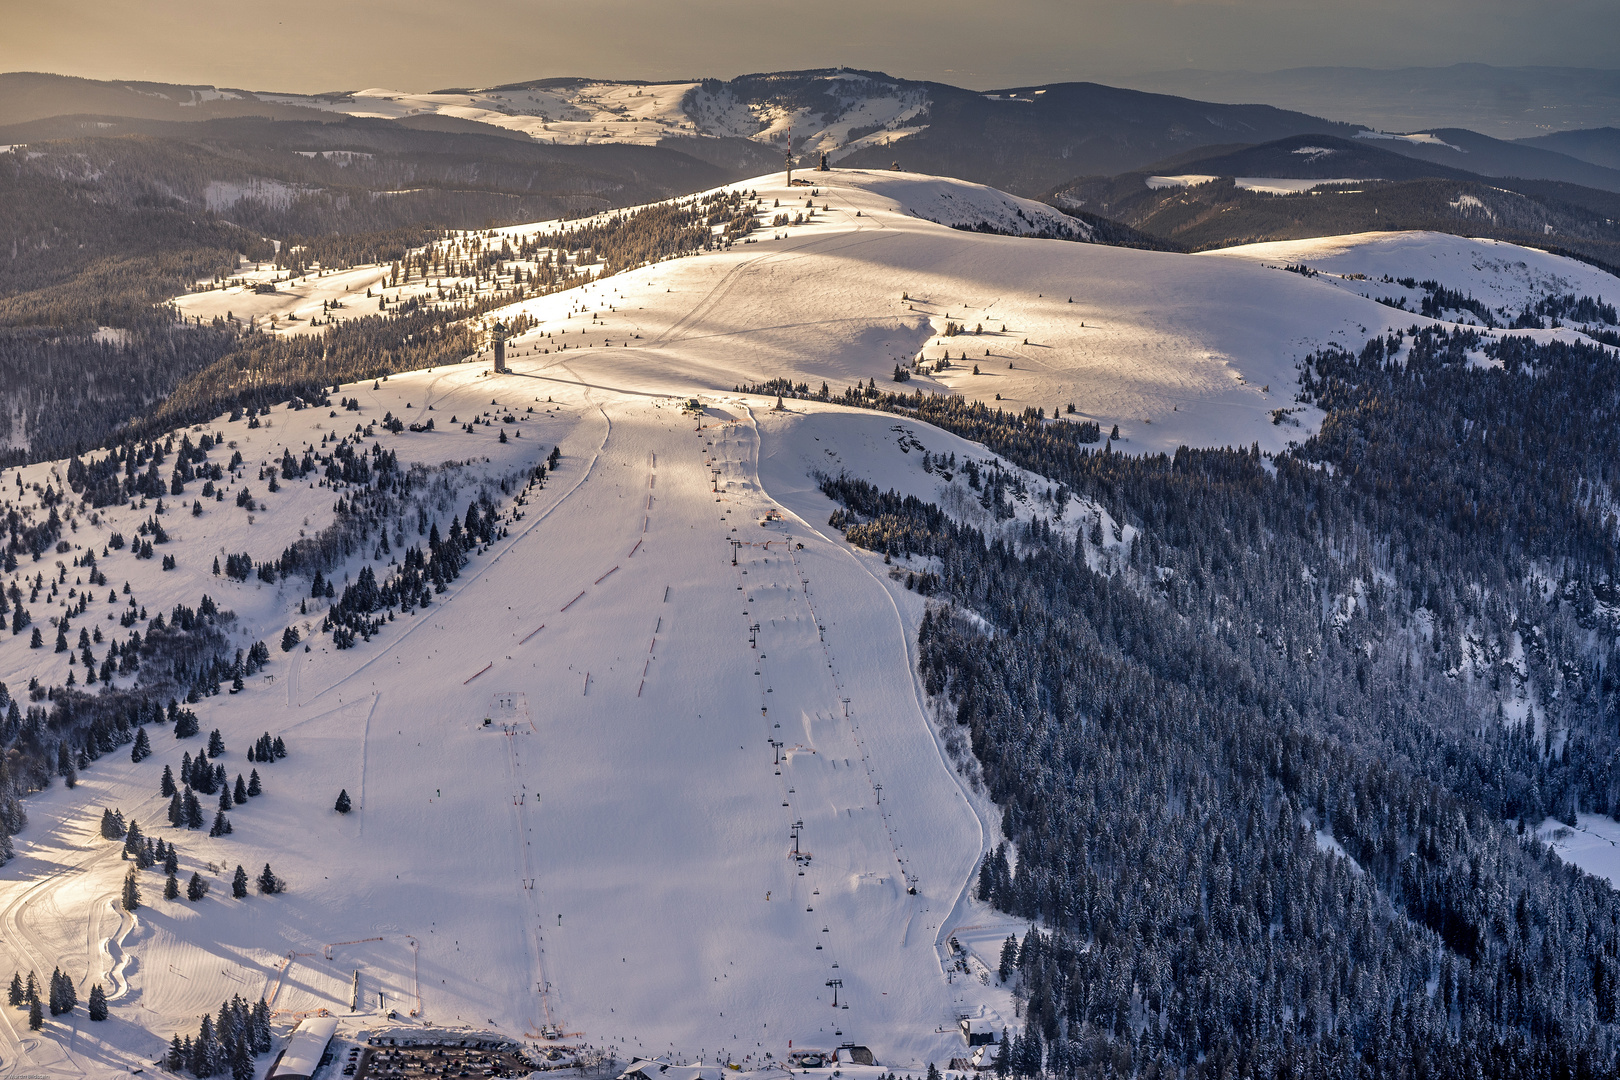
(579, 771)
(835, 113)
(1505, 277)
(1174, 349)
(562, 111)
(575, 773)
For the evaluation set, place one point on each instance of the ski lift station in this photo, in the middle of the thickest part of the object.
(658, 1069)
(977, 1033)
(305, 1049)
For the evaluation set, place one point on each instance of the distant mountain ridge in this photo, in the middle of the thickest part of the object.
(1024, 139)
(1198, 202)
(1600, 146)
(1504, 102)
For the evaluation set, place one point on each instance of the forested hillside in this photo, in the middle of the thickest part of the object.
(1397, 642)
(1219, 213)
(100, 232)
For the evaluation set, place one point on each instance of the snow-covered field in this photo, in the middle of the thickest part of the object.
(1503, 276)
(1593, 845)
(582, 842)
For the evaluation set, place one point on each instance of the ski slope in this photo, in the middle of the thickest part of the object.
(579, 774)
(568, 808)
(1173, 349)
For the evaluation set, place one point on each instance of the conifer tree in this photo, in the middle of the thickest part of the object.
(221, 826)
(36, 1016)
(98, 1003)
(254, 788)
(343, 806)
(132, 891)
(259, 1027)
(1009, 958)
(166, 785)
(216, 743)
(193, 808)
(171, 886)
(202, 1049)
(1003, 1060)
(239, 883)
(177, 810)
(224, 797)
(268, 882)
(241, 792)
(111, 827)
(171, 860)
(241, 1060)
(185, 724)
(14, 993)
(143, 749)
(67, 993)
(134, 842)
(196, 888)
(175, 1059)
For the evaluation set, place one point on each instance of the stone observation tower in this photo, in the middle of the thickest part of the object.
(497, 338)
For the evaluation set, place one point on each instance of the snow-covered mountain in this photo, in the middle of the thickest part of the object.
(1025, 139)
(771, 782)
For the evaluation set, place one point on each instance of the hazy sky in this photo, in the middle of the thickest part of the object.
(313, 45)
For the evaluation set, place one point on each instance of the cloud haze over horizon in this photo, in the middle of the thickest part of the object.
(417, 45)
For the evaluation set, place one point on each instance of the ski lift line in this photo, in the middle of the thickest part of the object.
(531, 633)
(536, 937)
(477, 673)
(871, 780)
(416, 973)
(636, 548)
(640, 687)
(572, 602)
(605, 576)
(357, 941)
(281, 978)
(365, 741)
